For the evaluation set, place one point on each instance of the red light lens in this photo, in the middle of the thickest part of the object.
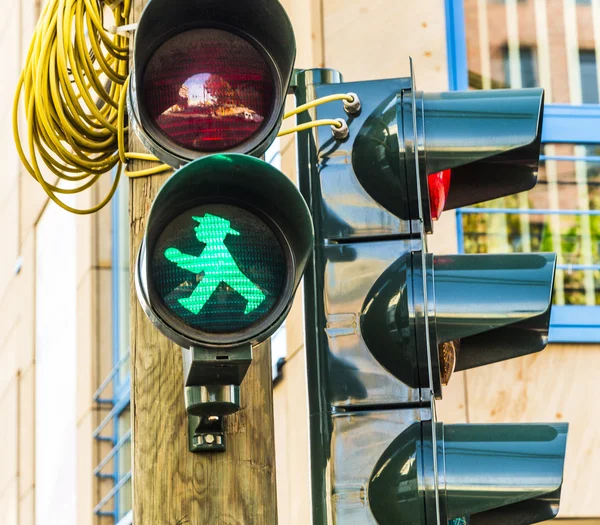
(439, 186)
(208, 90)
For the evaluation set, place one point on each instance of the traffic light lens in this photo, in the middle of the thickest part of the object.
(439, 186)
(208, 90)
(219, 268)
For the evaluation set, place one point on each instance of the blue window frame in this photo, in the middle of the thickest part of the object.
(570, 224)
(114, 392)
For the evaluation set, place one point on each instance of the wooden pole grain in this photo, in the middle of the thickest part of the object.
(172, 486)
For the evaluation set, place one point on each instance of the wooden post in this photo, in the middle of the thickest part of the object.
(172, 486)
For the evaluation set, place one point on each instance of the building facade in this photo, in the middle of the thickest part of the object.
(64, 280)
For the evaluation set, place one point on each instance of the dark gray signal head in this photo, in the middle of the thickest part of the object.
(486, 143)
(226, 243)
(482, 309)
(418, 154)
(210, 76)
(514, 473)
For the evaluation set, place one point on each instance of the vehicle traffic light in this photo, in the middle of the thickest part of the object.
(228, 235)
(387, 322)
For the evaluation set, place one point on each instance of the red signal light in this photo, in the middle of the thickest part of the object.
(208, 90)
(439, 186)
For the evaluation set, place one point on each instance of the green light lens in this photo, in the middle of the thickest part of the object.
(219, 268)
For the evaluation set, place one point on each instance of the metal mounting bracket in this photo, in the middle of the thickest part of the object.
(206, 433)
(212, 381)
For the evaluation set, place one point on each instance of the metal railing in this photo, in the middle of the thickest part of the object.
(108, 467)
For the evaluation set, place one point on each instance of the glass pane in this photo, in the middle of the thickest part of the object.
(124, 463)
(525, 43)
(567, 196)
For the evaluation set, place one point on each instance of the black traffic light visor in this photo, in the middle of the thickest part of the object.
(498, 306)
(495, 474)
(515, 472)
(490, 139)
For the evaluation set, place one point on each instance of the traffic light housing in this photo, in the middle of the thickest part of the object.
(210, 76)
(495, 474)
(228, 236)
(227, 240)
(387, 322)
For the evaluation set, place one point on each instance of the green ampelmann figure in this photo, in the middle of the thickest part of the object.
(217, 265)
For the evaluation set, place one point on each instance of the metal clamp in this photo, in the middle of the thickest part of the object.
(352, 107)
(340, 132)
(206, 433)
(212, 381)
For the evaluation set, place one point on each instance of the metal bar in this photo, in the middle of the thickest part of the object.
(109, 377)
(112, 492)
(517, 211)
(106, 476)
(112, 452)
(460, 232)
(578, 266)
(587, 158)
(456, 43)
(116, 409)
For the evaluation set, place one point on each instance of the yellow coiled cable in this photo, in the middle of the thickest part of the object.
(74, 89)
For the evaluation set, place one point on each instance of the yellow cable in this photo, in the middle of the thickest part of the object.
(309, 125)
(149, 171)
(318, 102)
(73, 89)
(123, 155)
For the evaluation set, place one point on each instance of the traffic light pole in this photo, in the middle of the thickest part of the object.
(170, 483)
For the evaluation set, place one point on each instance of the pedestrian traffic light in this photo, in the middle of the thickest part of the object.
(228, 236)
(227, 240)
(387, 322)
(210, 76)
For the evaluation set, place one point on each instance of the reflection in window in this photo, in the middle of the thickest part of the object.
(568, 223)
(533, 43)
(589, 76)
(527, 66)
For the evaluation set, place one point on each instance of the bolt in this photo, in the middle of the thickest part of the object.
(340, 132)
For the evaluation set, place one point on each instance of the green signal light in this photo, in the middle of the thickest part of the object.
(216, 264)
(218, 268)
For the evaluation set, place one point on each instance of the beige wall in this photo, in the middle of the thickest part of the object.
(22, 204)
(17, 323)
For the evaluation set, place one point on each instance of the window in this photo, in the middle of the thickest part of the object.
(526, 68)
(558, 215)
(114, 392)
(589, 76)
(522, 44)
